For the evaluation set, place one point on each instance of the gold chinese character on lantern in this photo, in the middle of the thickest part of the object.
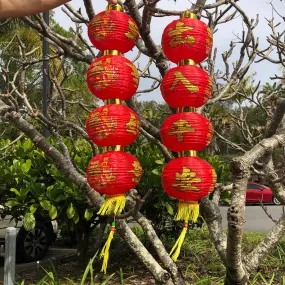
(133, 126)
(209, 88)
(133, 32)
(179, 128)
(135, 74)
(103, 124)
(102, 174)
(185, 180)
(104, 74)
(210, 133)
(179, 77)
(137, 171)
(214, 176)
(102, 25)
(176, 35)
(209, 39)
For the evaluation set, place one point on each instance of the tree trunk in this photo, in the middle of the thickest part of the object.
(83, 236)
(230, 281)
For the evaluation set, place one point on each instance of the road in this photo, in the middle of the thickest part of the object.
(255, 218)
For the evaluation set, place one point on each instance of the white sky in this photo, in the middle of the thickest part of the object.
(222, 38)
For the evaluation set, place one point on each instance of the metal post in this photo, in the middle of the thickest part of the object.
(46, 83)
(10, 256)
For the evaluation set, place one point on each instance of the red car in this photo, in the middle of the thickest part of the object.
(256, 192)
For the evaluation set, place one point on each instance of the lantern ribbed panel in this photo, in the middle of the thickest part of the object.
(113, 30)
(187, 39)
(113, 172)
(186, 131)
(112, 125)
(112, 76)
(188, 178)
(186, 85)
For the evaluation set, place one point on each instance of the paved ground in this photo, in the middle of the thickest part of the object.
(255, 218)
(52, 255)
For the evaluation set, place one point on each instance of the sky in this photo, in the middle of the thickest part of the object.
(222, 38)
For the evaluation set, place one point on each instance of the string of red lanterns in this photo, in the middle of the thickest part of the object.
(187, 42)
(113, 78)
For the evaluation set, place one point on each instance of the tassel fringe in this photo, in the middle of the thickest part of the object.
(105, 251)
(188, 211)
(113, 204)
(175, 252)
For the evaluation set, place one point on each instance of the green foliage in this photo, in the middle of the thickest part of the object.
(158, 207)
(201, 264)
(222, 169)
(37, 187)
(29, 221)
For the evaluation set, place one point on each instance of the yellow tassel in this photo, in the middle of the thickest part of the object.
(113, 204)
(178, 245)
(105, 251)
(188, 211)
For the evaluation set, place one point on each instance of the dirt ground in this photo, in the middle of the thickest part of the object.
(130, 271)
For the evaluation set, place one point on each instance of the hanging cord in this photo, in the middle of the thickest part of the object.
(105, 251)
(178, 245)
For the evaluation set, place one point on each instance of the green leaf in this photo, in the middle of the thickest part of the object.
(12, 203)
(27, 166)
(26, 145)
(88, 214)
(155, 171)
(45, 204)
(108, 279)
(33, 208)
(70, 212)
(61, 198)
(70, 281)
(159, 161)
(169, 209)
(76, 217)
(85, 274)
(15, 191)
(24, 192)
(52, 212)
(29, 222)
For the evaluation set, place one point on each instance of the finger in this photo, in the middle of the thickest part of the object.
(112, 1)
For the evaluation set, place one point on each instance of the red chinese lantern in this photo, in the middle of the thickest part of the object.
(186, 85)
(187, 38)
(113, 173)
(113, 79)
(187, 41)
(112, 125)
(112, 76)
(113, 30)
(188, 179)
(186, 131)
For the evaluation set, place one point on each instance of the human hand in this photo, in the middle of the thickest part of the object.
(110, 2)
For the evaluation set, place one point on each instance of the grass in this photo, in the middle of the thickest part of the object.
(199, 262)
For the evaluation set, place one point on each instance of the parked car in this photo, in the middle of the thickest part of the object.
(257, 192)
(31, 245)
